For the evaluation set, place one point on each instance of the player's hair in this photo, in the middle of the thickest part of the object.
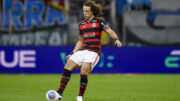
(95, 8)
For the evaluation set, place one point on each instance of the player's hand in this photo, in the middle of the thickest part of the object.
(67, 57)
(118, 43)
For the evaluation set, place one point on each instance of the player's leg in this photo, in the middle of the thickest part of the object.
(85, 69)
(69, 67)
(74, 62)
(91, 59)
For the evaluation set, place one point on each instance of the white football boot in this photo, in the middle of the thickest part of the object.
(79, 98)
(59, 96)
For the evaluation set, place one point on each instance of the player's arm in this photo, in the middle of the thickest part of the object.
(114, 37)
(78, 46)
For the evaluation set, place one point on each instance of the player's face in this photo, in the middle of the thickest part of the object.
(88, 14)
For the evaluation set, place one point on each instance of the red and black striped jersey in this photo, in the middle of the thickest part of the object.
(91, 33)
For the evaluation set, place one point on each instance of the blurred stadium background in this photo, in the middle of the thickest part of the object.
(36, 35)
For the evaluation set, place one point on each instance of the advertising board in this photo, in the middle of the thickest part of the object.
(113, 60)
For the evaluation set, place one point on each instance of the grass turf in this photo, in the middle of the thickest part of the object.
(101, 87)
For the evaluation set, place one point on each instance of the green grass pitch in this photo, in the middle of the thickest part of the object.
(101, 87)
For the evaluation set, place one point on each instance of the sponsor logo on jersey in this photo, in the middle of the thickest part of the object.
(90, 35)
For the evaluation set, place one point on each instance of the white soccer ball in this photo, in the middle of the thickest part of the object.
(52, 95)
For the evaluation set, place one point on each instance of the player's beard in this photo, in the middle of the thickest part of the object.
(88, 17)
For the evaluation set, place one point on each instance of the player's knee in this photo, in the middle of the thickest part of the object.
(70, 65)
(67, 67)
(85, 71)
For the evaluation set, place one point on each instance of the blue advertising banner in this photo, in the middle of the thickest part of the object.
(113, 60)
(29, 14)
(31, 23)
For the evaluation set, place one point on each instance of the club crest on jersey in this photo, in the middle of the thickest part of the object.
(94, 25)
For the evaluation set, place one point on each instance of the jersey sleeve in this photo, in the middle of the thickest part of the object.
(104, 26)
(80, 33)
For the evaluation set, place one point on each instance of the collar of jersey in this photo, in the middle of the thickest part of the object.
(90, 20)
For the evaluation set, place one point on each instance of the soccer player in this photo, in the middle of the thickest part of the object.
(87, 51)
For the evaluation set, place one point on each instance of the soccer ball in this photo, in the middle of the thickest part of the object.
(52, 95)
